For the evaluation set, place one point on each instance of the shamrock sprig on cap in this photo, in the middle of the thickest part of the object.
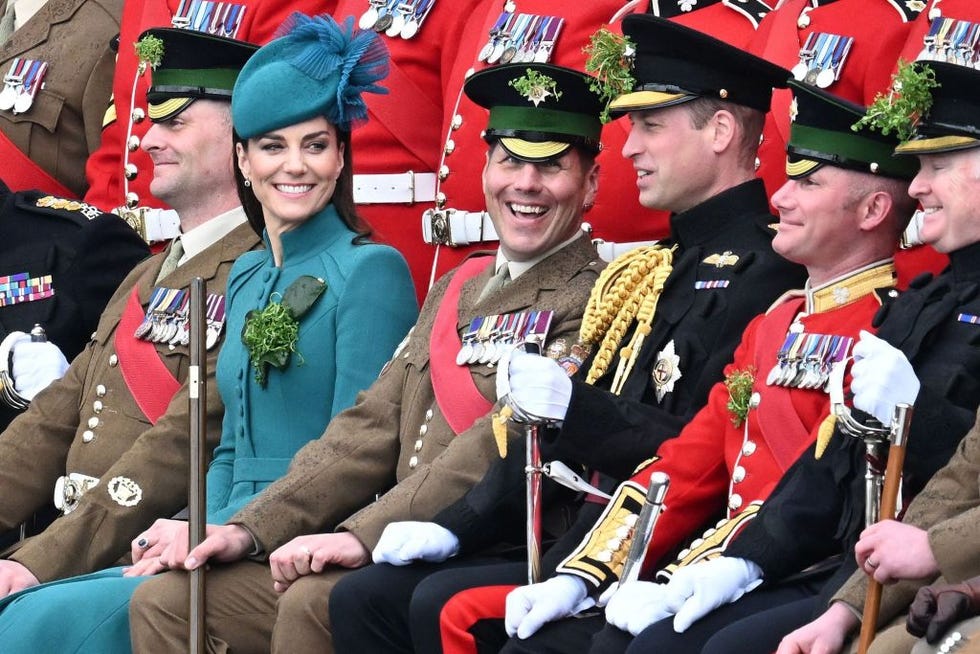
(908, 99)
(536, 87)
(149, 50)
(610, 60)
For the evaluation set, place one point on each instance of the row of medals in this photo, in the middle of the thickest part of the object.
(217, 18)
(806, 360)
(489, 337)
(21, 287)
(822, 58)
(21, 84)
(401, 18)
(521, 38)
(167, 319)
(953, 41)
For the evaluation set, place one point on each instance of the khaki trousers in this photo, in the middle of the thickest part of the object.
(890, 639)
(244, 613)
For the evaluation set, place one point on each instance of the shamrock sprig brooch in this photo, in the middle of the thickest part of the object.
(739, 385)
(270, 334)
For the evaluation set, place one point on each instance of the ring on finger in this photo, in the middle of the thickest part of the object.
(142, 543)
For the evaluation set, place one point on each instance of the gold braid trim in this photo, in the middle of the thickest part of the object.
(627, 290)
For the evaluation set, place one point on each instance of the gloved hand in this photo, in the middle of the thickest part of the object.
(881, 377)
(534, 385)
(936, 608)
(703, 587)
(638, 604)
(530, 607)
(404, 542)
(35, 365)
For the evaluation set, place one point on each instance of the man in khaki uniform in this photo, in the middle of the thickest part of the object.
(110, 438)
(421, 435)
(56, 65)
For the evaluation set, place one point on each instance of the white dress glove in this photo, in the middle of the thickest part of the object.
(703, 587)
(404, 542)
(534, 385)
(530, 607)
(638, 604)
(881, 377)
(35, 365)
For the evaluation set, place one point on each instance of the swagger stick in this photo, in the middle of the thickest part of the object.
(653, 504)
(889, 503)
(197, 382)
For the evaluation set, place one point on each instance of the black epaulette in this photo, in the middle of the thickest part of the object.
(908, 10)
(886, 296)
(673, 9)
(36, 202)
(754, 10)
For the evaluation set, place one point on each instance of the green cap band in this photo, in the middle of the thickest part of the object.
(539, 119)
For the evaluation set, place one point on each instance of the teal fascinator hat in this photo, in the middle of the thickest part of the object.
(316, 68)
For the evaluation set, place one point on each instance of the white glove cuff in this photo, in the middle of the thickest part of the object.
(8, 393)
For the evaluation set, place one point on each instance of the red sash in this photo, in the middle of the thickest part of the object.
(460, 401)
(148, 379)
(779, 423)
(22, 174)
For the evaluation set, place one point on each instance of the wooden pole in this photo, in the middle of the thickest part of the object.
(198, 458)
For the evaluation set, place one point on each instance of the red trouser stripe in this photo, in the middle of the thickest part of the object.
(465, 609)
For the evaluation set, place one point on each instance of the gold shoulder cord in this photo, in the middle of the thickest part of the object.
(627, 290)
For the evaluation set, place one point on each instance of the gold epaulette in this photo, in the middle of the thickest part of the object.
(713, 542)
(110, 113)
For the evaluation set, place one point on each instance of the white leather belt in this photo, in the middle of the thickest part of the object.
(454, 227)
(153, 225)
(395, 188)
(68, 490)
(609, 250)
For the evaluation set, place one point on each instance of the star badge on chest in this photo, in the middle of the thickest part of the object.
(666, 371)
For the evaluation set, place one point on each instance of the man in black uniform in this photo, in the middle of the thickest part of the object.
(61, 261)
(661, 324)
(924, 351)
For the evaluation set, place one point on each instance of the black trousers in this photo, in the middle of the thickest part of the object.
(753, 625)
(384, 608)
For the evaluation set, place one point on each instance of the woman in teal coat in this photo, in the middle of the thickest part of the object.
(320, 310)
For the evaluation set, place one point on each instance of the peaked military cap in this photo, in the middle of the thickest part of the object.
(674, 64)
(192, 65)
(821, 133)
(953, 120)
(538, 111)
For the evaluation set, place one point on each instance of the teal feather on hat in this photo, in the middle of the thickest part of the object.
(320, 46)
(332, 66)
